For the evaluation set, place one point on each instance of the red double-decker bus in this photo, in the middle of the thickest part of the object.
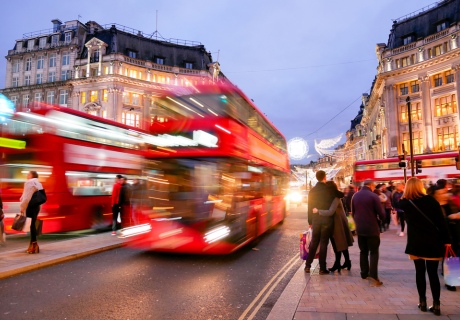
(77, 157)
(217, 175)
(434, 166)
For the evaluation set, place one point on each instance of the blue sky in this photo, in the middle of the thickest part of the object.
(300, 61)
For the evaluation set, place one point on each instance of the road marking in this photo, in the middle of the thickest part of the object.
(286, 267)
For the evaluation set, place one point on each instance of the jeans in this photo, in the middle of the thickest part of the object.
(32, 212)
(322, 230)
(369, 255)
(115, 212)
(402, 220)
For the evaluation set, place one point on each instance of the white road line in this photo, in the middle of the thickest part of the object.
(288, 265)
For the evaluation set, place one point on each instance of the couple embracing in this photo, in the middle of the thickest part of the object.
(326, 217)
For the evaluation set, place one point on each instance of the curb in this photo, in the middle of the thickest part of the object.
(57, 260)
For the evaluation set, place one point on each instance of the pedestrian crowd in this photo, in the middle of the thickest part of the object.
(428, 215)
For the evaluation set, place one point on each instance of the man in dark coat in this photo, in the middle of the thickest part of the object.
(365, 207)
(320, 197)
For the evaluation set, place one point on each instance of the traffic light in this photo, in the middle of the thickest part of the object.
(402, 161)
(418, 166)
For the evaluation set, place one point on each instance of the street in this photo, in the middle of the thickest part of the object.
(129, 284)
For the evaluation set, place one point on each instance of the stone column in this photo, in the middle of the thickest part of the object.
(453, 41)
(427, 113)
(99, 66)
(88, 63)
(111, 67)
(392, 120)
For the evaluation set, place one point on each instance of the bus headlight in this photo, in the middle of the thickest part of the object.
(134, 231)
(216, 234)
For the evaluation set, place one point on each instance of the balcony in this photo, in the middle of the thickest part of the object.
(436, 36)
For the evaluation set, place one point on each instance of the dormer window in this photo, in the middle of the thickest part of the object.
(408, 39)
(19, 45)
(132, 54)
(67, 37)
(30, 44)
(159, 60)
(188, 65)
(42, 43)
(95, 56)
(441, 26)
(54, 39)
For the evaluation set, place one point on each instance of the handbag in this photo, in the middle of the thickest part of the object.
(351, 223)
(303, 247)
(451, 268)
(38, 198)
(18, 222)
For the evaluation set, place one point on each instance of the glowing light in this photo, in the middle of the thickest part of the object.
(12, 143)
(183, 105)
(223, 129)
(197, 102)
(297, 148)
(216, 234)
(325, 144)
(134, 231)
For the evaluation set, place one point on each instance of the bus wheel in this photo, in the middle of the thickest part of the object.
(97, 222)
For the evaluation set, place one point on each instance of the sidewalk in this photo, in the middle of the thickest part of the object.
(347, 296)
(13, 262)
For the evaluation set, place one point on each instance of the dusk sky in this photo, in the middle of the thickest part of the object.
(301, 61)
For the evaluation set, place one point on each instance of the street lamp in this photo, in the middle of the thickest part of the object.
(411, 146)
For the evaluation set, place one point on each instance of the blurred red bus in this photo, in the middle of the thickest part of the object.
(434, 166)
(76, 156)
(217, 176)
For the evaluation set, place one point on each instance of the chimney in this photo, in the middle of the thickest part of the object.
(56, 25)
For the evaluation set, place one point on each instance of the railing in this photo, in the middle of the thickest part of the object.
(407, 47)
(417, 12)
(135, 61)
(436, 36)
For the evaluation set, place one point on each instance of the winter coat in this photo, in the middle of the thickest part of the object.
(30, 187)
(365, 207)
(341, 232)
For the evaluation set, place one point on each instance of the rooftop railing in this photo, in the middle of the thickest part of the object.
(417, 12)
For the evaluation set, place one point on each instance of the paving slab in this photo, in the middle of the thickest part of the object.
(319, 316)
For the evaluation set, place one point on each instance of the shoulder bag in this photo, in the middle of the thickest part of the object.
(423, 214)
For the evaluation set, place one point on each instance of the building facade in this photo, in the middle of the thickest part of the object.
(420, 63)
(110, 71)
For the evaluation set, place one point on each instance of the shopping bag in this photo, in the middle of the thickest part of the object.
(394, 217)
(18, 222)
(351, 223)
(451, 268)
(303, 247)
(39, 227)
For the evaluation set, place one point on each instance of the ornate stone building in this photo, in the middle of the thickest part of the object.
(421, 61)
(110, 71)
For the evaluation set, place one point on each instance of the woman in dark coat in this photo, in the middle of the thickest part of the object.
(427, 236)
(341, 235)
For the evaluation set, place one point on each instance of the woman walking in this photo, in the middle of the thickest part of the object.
(427, 237)
(31, 210)
(341, 235)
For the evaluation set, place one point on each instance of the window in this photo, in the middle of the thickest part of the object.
(160, 60)
(408, 39)
(403, 89)
(25, 100)
(416, 112)
(83, 97)
(447, 138)
(415, 86)
(437, 50)
(39, 79)
(52, 60)
(133, 73)
(130, 119)
(104, 114)
(417, 141)
(54, 40)
(50, 97)
(126, 98)
(405, 62)
(30, 44)
(63, 97)
(42, 43)
(52, 76)
(441, 26)
(15, 82)
(93, 96)
(40, 62)
(445, 105)
(15, 66)
(449, 76)
(28, 64)
(188, 65)
(65, 75)
(132, 54)
(95, 56)
(135, 99)
(14, 99)
(19, 45)
(67, 37)
(38, 97)
(437, 80)
(66, 59)
(27, 80)
(105, 95)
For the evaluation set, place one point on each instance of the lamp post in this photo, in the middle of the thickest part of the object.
(411, 146)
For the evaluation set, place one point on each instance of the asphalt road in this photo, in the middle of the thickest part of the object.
(129, 284)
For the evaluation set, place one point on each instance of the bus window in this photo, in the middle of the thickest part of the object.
(90, 183)
(13, 176)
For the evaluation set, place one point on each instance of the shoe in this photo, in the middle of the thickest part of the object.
(34, 248)
(307, 270)
(325, 271)
(436, 309)
(30, 247)
(364, 276)
(114, 233)
(374, 282)
(422, 305)
(401, 234)
(347, 265)
(335, 267)
(451, 288)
